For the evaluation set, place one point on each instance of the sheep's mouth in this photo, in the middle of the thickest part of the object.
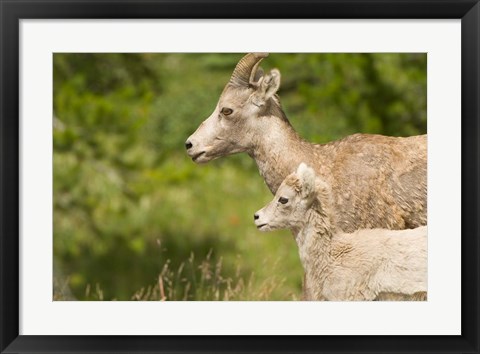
(195, 158)
(260, 226)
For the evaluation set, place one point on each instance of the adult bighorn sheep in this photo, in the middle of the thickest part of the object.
(363, 265)
(376, 181)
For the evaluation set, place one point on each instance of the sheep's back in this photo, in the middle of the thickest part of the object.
(377, 181)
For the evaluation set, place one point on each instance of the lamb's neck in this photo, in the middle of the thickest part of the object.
(314, 239)
(278, 150)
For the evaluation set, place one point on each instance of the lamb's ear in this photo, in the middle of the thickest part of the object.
(306, 176)
(268, 86)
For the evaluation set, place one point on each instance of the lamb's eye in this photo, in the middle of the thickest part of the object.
(227, 111)
(283, 200)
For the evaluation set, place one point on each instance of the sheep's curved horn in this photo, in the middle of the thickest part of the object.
(246, 68)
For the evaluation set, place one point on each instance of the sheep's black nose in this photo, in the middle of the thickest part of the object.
(255, 216)
(188, 145)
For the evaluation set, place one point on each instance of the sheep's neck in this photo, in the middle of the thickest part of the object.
(278, 150)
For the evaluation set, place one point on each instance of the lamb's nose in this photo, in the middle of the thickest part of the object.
(255, 216)
(188, 145)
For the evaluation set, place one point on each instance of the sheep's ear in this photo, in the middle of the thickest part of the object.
(306, 176)
(268, 86)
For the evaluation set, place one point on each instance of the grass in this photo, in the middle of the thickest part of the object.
(200, 280)
(206, 281)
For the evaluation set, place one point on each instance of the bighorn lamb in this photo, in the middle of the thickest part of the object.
(344, 266)
(377, 181)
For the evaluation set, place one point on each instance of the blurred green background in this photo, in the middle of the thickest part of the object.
(136, 219)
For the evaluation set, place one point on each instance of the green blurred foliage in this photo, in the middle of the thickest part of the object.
(134, 218)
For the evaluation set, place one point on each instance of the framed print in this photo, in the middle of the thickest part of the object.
(354, 116)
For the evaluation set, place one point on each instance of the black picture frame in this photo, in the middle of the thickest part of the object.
(11, 11)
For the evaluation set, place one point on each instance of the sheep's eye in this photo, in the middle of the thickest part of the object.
(227, 111)
(283, 200)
